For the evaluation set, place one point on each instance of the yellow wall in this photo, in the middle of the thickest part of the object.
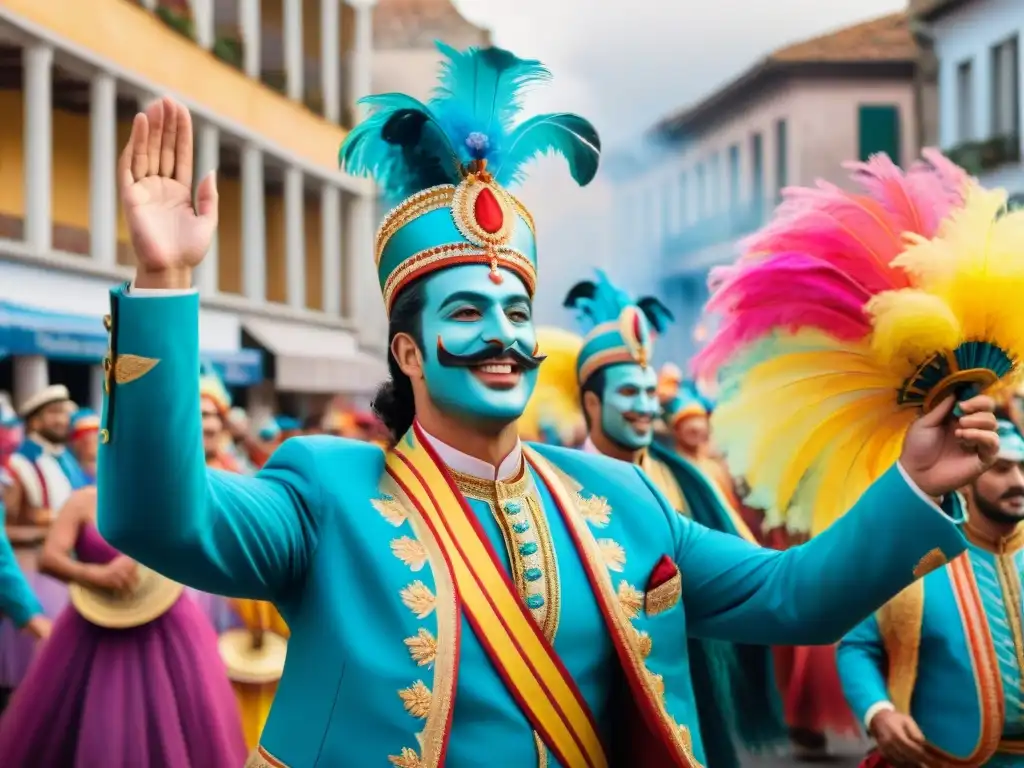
(70, 197)
(71, 201)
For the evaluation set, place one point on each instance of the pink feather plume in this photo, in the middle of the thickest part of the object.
(786, 292)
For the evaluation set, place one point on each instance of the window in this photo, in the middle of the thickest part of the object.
(684, 199)
(879, 131)
(757, 170)
(714, 184)
(734, 177)
(965, 101)
(1005, 92)
(781, 157)
(702, 192)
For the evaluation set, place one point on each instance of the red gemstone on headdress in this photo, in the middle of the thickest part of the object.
(488, 212)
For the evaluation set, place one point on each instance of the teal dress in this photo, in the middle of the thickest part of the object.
(383, 665)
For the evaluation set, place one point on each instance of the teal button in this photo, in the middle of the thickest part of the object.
(532, 574)
(513, 507)
(522, 527)
(535, 601)
(527, 549)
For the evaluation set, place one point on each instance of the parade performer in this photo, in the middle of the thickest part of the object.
(84, 441)
(957, 630)
(130, 675)
(848, 316)
(734, 687)
(429, 628)
(42, 473)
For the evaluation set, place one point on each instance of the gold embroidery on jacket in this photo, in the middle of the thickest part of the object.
(129, 368)
(594, 509)
(410, 552)
(613, 553)
(433, 705)
(416, 699)
(631, 599)
(664, 596)
(422, 647)
(933, 560)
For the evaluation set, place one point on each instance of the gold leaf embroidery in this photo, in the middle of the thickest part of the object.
(410, 552)
(613, 553)
(687, 739)
(643, 643)
(408, 759)
(422, 647)
(416, 699)
(391, 509)
(129, 368)
(594, 509)
(419, 599)
(631, 599)
(658, 683)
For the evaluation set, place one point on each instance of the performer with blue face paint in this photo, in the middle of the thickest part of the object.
(734, 687)
(461, 599)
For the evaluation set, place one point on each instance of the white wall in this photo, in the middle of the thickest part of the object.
(969, 33)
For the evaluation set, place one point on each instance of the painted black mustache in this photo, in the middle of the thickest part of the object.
(493, 351)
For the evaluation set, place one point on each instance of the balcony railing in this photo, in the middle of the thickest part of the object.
(715, 230)
(979, 156)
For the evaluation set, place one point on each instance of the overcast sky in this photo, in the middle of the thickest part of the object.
(625, 64)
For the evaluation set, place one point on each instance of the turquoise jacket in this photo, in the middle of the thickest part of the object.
(17, 600)
(947, 650)
(374, 649)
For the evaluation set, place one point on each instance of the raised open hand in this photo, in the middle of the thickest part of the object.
(170, 235)
(943, 454)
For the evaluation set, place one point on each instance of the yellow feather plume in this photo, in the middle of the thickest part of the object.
(555, 402)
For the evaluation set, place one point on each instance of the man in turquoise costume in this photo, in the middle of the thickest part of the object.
(463, 599)
(734, 687)
(936, 674)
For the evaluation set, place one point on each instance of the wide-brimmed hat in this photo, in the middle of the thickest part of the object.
(248, 663)
(152, 596)
(55, 393)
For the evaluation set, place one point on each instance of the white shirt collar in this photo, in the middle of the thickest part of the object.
(589, 447)
(469, 465)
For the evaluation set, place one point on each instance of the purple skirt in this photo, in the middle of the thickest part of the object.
(156, 695)
(17, 648)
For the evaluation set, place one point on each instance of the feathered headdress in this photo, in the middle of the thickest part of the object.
(446, 164)
(211, 387)
(852, 313)
(618, 329)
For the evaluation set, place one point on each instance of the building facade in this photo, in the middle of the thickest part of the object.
(977, 49)
(290, 305)
(712, 173)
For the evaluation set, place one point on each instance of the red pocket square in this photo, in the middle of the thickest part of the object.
(663, 571)
(664, 586)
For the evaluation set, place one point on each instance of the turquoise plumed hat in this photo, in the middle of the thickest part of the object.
(445, 166)
(1011, 442)
(684, 405)
(618, 329)
(84, 420)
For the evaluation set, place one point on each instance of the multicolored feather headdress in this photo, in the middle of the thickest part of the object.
(618, 329)
(851, 313)
(445, 166)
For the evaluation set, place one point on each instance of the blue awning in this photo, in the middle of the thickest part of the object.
(30, 331)
(240, 368)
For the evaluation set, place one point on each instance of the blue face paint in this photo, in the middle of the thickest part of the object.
(467, 313)
(629, 405)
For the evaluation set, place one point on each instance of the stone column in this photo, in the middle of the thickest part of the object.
(37, 61)
(254, 233)
(207, 159)
(330, 248)
(295, 236)
(103, 169)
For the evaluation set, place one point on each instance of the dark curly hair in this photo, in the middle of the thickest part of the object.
(393, 403)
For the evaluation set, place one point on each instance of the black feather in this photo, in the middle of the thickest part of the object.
(657, 314)
(586, 289)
